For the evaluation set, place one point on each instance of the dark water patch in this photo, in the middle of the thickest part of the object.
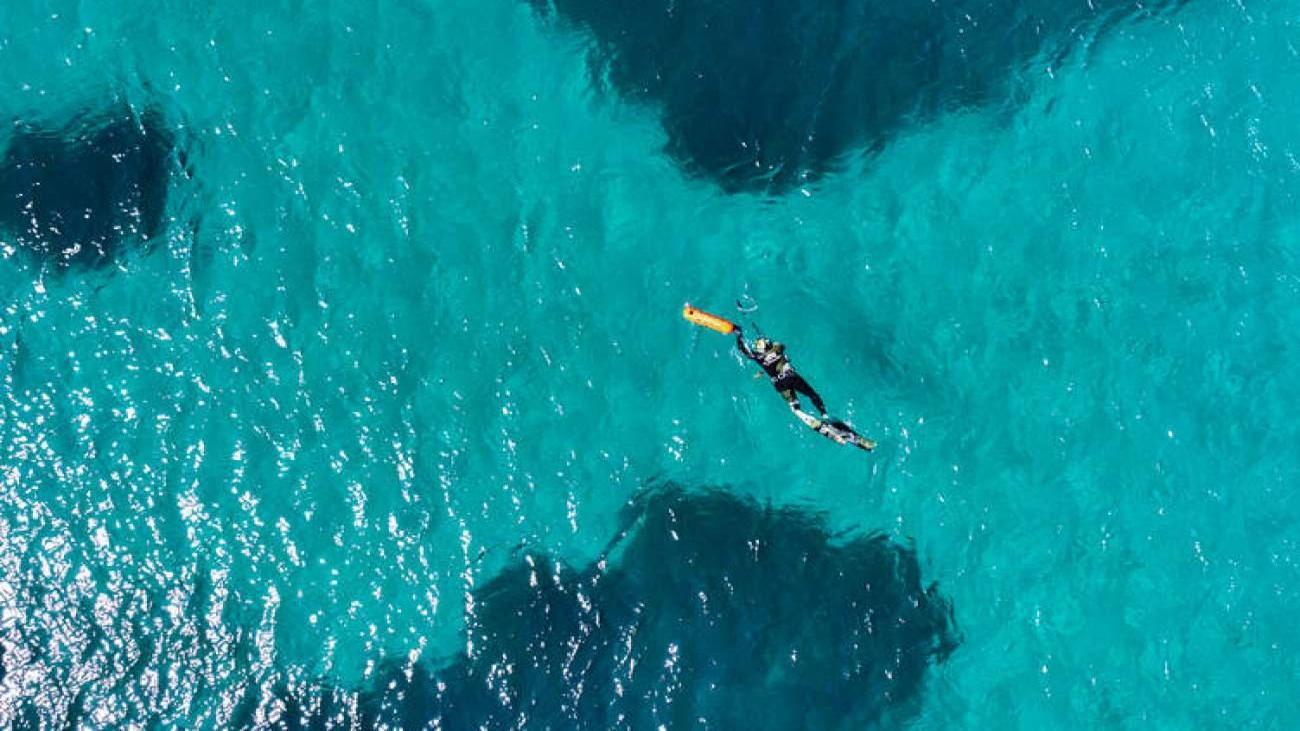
(708, 611)
(77, 193)
(764, 94)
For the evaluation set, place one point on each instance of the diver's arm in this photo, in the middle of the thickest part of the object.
(743, 346)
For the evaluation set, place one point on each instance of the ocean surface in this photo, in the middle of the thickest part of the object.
(343, 382)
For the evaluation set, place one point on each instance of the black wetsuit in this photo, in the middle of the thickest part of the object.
(784, 378)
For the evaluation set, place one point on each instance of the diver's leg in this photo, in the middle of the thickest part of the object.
(808, 419)
(853, 436)
(862, 442)
(835, 436)
(799, 384)
(819, 426)
(787, 393)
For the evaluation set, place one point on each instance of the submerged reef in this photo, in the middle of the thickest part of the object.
(708, 610)
(76, 193)
(765, 94)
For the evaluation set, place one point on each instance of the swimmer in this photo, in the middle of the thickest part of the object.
(776, 364)
(771, 356)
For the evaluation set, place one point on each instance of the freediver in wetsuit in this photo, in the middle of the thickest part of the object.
(772, 358)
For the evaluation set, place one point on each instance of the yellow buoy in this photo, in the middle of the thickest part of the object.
(712, 322)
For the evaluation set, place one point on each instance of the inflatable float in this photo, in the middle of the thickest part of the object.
(712, 322)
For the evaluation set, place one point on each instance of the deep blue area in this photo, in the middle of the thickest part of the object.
(771, 622)
(763, 94)
(75, 193)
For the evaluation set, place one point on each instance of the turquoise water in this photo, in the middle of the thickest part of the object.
(305, 431)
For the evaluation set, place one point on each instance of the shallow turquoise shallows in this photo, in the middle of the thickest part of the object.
(343, 378)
